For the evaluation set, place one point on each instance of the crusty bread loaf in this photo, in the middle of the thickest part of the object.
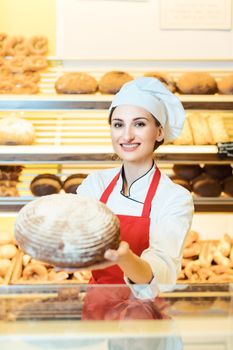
(67, 230)
(197, 83)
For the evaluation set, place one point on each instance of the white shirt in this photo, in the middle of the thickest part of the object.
(170, 217)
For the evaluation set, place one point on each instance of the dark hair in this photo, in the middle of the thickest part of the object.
(157, 143)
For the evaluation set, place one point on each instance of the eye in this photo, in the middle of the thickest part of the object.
(117, 124)
(140, 124)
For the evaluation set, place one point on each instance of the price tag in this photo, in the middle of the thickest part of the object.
(225, 149)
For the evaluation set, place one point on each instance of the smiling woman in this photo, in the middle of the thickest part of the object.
(152, 209)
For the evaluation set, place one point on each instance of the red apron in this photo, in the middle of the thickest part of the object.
(133, 229)
(118, 302)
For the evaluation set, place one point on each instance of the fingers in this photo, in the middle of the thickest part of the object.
(115, 255)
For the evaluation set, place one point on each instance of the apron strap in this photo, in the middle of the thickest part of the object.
(151, 193)
(109, 189)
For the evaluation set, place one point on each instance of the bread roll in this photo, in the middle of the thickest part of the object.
(111, 82)
(76, 83)
(16, 131)
(218, 171)
(45, 184)
(200, 130)
(197, 83)
(186, 136)
(206, 186)
(217, 129)
(187, 171)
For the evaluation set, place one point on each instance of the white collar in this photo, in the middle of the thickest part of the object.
(139, 188)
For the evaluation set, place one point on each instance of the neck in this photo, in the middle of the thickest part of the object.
(133, 171)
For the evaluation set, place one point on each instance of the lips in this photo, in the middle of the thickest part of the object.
(129, 147)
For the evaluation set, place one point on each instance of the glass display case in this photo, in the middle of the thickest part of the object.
(99, 317)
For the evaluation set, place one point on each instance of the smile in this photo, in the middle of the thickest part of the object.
(129, 146)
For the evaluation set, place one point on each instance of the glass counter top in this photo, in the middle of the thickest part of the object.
(111, 317)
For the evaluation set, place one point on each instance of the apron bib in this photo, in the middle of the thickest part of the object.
(133, 229)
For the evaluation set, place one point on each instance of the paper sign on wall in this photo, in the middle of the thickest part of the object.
(196, 14)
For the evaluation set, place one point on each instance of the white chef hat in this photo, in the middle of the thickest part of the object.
(154, 97)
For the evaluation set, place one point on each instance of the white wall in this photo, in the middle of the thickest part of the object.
(132, 30)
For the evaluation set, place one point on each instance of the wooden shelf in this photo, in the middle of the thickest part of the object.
(51, 101)
(202, 204)
(94, 153)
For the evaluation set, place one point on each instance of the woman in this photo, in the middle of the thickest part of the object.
(155, 214)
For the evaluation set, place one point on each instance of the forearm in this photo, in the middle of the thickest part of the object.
(135, 268)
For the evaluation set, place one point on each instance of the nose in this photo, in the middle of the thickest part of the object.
(128, 134)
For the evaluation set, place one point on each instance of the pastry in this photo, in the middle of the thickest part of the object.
(67, 230)
(45, 184)
(200, 130)
(186, 137)
(38, 45)
(17, 45)
(164, 78)
(197, 83)
(26, 88)
(187, 171)
(185, 183)
(10, 172)
(35, 63)
(218, 171)
(111, 82)
(72, 182)
(225, 85)
(191, 238)
(76, 83)
(217, 129)
(206, 186)
(228, 186)
(16, 131)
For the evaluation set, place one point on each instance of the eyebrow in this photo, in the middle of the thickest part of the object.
(133, 119)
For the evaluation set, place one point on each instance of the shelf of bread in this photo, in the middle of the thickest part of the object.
(72, 136)
(207, 261)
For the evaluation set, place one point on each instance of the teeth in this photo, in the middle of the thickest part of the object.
(132, 145)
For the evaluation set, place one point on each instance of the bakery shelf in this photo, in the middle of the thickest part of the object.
(97, 153)
(202, 204)
(51, 101)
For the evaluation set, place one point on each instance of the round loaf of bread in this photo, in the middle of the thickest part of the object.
(187, 171)
(206, 186)
(225, 86)
(67, 230)
(197, 83)
(111, 82)
(16, 131)
(76, 83)
(45, 184)
(218, 171)
(72, 182)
